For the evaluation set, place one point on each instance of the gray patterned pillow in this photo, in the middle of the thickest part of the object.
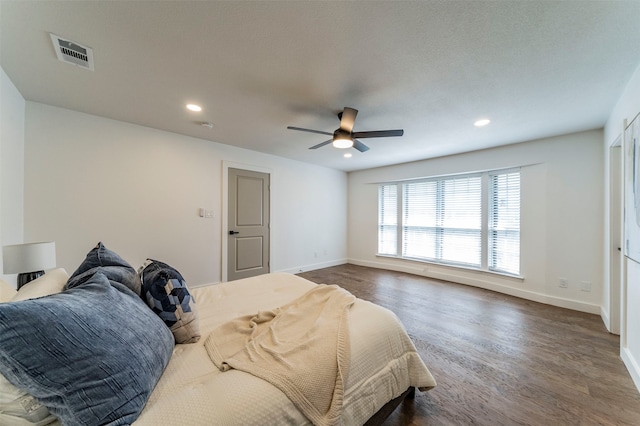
(166, 293)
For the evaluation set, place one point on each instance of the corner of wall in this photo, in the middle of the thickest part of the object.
(632, 365)
(12, 139)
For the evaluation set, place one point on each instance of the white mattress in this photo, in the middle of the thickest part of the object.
(192, 391)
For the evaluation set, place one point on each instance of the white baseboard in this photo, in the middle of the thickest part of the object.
(205, 284)
(487, 285)
(605, 318)
(632, 366)
(314, 266)
(296, 270)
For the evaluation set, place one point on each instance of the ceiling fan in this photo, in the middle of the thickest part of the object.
(345, 137)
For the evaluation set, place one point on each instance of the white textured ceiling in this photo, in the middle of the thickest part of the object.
(535, 68)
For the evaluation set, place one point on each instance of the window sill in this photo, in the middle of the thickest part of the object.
(518, 278)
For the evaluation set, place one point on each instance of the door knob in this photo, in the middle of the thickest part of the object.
(233, 232)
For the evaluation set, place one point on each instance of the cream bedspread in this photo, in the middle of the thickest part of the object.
(302, 348)
(192, 391)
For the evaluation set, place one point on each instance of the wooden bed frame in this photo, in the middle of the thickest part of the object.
(378, 418)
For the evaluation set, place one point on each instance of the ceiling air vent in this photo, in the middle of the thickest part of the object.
(72, 53)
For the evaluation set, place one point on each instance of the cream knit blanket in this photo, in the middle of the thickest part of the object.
(302, 348)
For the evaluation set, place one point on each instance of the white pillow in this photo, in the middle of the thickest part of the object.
(6, 291)
(18, 408)
(50, 283)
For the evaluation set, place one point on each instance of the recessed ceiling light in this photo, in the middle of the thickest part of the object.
(482, 123)
(194, 107)
(348, 155)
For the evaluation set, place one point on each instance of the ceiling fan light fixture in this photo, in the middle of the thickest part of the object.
(343, 143)
(342, 139)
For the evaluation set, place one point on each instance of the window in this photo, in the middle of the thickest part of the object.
(441, 220)
(504, 222)
(388, 220)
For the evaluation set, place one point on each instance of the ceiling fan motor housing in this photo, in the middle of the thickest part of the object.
(341, 134)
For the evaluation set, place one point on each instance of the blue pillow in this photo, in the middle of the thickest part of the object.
(91, 354)
(167, 295)
(115, 268)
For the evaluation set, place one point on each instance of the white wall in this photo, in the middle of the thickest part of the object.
(561, 217)
(627, 108)
(139, 189)
(12, 113)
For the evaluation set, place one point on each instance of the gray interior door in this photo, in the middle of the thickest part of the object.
(248, 218)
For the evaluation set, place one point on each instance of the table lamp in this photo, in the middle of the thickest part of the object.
(28, 260)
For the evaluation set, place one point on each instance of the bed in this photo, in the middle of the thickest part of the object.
(383, 364)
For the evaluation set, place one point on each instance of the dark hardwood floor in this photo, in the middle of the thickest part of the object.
(498, 359)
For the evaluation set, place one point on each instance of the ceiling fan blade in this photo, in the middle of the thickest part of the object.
(322, 144)
(360, 146)
(309, 130)
(378, 133)
(348, 118)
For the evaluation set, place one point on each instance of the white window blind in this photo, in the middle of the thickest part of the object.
(448, 220)
(388, 219)
(504, 222)
(442, 220)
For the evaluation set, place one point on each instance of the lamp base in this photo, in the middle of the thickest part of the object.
(28, 276)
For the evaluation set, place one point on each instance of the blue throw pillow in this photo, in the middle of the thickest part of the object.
(167, 295)
(115, 268)
(91, 354)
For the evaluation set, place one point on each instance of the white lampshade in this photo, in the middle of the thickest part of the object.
(32, 257)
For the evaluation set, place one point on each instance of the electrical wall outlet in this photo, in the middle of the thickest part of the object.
(563, 282)
(585, 285)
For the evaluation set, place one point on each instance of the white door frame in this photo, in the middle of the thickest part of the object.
(616, 237)
(226, 165)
